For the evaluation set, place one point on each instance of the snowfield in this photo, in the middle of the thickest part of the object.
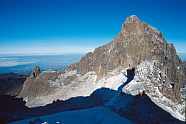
(146, 79)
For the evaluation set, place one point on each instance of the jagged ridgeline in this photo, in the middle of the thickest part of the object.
(158, 71)
(137, 42)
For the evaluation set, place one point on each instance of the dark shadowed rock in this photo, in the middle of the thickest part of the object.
(11, 84)
(138, 109)
(184, 69)
(184, 66)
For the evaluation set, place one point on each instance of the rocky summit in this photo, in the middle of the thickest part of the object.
(139, 47)
(137, 42)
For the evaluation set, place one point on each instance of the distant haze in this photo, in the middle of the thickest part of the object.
(25, 64)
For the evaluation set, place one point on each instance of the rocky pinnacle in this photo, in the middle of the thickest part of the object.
(135, 43)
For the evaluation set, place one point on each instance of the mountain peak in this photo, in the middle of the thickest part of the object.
(132, 25)
(137, 42)
(132, 19)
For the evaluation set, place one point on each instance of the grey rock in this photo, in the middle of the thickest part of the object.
(39, 85)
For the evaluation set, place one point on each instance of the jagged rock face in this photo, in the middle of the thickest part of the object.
(34, 87)
(136, 43)
(184, 68)
(36, 72)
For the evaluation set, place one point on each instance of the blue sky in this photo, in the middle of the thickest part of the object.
(71, 26)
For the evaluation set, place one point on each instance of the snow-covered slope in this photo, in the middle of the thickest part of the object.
(149, 77)
(146, 79)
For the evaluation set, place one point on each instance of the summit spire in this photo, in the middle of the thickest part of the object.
(132, 19)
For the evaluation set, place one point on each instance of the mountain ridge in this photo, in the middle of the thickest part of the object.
(158, 71)
(136, 43)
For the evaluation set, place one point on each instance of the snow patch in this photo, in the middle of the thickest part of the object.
(134, 87)
(149, 76)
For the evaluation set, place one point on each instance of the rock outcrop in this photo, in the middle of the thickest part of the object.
(37, 84)
(183, 89)
(136, 43)
(184, 66)
(36, 71)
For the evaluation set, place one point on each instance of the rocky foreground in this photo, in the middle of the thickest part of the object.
(103, 106)
(159, 71)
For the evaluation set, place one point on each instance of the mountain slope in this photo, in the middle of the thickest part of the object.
(158, 70)
(136, 43)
